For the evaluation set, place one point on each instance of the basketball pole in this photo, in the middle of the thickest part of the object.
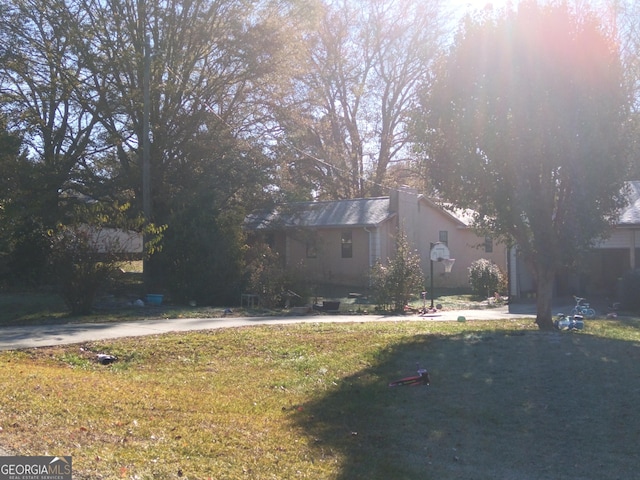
(431, 272)
(431, 289)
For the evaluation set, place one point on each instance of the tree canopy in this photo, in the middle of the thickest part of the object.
(525, 124)
(354, 94)
(72, 79)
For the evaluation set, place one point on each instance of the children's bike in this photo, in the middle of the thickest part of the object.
(582, 308)
(422, 378)
(576, 322)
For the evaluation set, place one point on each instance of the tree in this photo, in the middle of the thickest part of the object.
(364, 61)
(626, 14)
(72, 80)
(214, 68)
(43, 92)
(10, 161)
(525, 124)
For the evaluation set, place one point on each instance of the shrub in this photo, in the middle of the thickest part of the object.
(85, 254)
(486, 278)
(398, 281)
(276, 285)
(80, 268)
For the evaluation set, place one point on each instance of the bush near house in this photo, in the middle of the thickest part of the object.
(397, 282)
(276, 285)
(80, 268)
(486, 278)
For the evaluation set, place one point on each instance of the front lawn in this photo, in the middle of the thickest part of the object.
(312, 401)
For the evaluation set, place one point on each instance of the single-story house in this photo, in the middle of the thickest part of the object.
(337, 242)
(603, 266)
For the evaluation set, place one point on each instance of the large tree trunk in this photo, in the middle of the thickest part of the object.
(544, 298)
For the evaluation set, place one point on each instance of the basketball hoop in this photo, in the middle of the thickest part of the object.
(448, 264)
(439, 251)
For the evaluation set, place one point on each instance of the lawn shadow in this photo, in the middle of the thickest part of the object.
(501, 405)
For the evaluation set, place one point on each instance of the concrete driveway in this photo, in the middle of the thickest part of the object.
(14, 338)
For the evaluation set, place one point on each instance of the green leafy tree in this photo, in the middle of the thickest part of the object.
(397, 282)
(525, 124)
(73, 77)
(202, 248)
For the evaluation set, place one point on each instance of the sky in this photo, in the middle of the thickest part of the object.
(463, 5)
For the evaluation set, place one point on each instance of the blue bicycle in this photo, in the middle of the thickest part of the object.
(583, 309)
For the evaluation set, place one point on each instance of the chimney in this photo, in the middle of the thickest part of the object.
(394, 199)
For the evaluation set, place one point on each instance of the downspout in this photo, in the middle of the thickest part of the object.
(509, 275)
(632, 251)
(370, 233)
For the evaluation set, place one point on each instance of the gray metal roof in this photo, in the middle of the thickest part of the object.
(631, 214)
(370, 212)
(360, 212)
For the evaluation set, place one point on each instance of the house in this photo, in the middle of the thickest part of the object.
(337, 242)
(602, 268)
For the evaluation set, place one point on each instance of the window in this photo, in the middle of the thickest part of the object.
(312, 251)
(347, 244)
(443, 236)
(488, 245)
(270, 240)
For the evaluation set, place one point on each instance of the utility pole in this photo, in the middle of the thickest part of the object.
(144, 143)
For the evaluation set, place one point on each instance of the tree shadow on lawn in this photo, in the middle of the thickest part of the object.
(501, 405)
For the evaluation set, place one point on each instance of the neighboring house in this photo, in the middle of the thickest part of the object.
(337, 242)
(602, 267)
(114, 240)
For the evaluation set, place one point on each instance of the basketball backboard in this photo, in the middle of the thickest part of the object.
(439, 252)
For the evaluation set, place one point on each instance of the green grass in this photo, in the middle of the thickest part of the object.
(30, 308)
(312, 401)
(37, 309)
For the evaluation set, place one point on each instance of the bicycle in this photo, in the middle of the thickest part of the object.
(583, 309)
(576, 322)
(421, 379)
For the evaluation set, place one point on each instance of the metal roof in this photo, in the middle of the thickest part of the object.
(631, 214)
(359, 212)
(364, 212)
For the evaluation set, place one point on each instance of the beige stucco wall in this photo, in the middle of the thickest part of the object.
(328, 266)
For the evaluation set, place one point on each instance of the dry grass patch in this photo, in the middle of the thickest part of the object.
(311, 401)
